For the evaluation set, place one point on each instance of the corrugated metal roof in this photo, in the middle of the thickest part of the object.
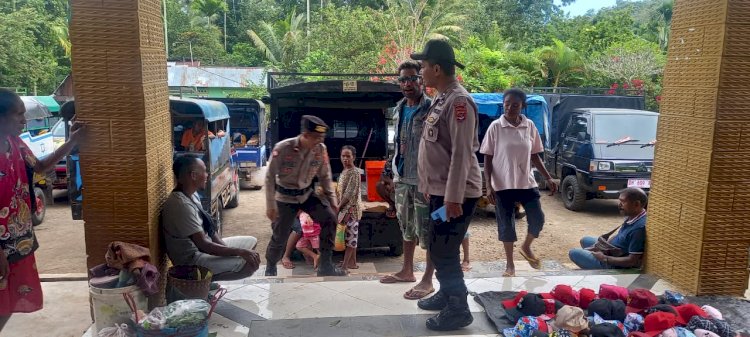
(214, 77)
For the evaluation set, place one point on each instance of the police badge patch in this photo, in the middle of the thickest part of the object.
(460, 108)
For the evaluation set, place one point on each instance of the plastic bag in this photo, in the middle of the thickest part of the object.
(186, 313)
(340, 243)
(156, 320)
(122, 330)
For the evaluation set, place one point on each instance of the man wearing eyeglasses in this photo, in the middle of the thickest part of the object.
(449, 176)
(412, 209)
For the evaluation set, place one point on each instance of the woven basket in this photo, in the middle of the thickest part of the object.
(729, 282)
(181, 285)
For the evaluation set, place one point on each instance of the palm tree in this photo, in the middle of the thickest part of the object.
(664, 19)
(281, 43)
(209, 8)
(413, 22)
(560, 61)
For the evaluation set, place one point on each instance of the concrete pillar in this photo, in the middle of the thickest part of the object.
(698, 229)
(120, 84)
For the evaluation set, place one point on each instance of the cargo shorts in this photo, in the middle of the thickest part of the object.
(413, 213)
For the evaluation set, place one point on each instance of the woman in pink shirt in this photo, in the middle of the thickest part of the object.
(512, 144)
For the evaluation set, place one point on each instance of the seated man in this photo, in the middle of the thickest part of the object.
(624, 249)
(190, 233)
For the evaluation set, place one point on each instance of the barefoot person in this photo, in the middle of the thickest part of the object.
(350, 209)
(512, 144)
(411, 206)
(20, 288)
(449, 175)
(289, 188)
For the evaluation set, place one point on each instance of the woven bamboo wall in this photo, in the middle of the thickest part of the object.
(119, 66)
(699, 212)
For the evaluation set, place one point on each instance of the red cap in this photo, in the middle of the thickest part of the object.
(657, 322)
(566, 294)
(547, 296)
(639, 300)
(686, 311)
(611, 292)
(514, 302)
(586, 295)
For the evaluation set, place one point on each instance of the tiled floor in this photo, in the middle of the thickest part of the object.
(349, 307)
(362, 306)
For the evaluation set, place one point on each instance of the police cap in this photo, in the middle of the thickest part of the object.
(437, 50)
(312, 123)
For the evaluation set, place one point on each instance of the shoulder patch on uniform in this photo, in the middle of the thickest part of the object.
(460, 107)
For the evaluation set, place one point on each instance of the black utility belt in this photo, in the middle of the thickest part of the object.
(293, 192)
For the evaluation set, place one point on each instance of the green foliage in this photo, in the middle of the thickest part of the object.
(562, 64)
(503, 43)
(30, 49)
(199, 43)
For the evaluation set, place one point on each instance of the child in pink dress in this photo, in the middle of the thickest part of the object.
(309, 243)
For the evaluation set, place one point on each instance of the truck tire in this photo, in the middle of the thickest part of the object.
(234, 202)
(574, 197)
(41, 207)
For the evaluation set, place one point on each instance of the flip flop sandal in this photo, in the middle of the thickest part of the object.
(393, 279)
(507, 274)
(535, 263)
(415, 294)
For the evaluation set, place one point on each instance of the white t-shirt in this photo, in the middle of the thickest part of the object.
(511, 148)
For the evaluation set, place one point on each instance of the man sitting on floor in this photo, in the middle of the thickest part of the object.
(190, 233)
(623, 250)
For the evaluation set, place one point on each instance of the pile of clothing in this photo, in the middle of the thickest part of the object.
(612, 312)
(127, 264)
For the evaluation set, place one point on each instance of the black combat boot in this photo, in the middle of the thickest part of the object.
(435, 303)
(326, 267)
(271, 269)
(456, 315)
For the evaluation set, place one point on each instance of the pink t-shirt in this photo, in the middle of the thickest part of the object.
(310, 228)
(511, 148)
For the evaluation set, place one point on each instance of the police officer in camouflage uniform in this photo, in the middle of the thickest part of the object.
(295, 163)
(449, 174)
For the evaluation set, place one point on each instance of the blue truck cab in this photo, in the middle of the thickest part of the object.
(248, 138)
(222, 190)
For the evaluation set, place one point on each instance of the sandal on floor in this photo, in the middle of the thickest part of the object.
(395, 279)
(535, 263)
(507, 274)
(415, 294)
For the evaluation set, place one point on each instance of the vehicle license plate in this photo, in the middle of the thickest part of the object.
(640, 183)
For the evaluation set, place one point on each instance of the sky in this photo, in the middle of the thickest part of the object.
(580, 7)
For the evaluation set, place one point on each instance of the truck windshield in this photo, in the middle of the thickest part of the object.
(624, 129)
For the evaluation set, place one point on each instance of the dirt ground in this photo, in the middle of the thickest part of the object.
(63, 248)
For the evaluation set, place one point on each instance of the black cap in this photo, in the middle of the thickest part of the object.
(531, 305)
(663, 308)
(437, 50)
(311, 123)
(606, 330)
(608, 309)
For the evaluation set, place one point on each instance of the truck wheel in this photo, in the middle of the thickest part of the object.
(41, 207)
(396, 250)
(574, 197)
(235, 201)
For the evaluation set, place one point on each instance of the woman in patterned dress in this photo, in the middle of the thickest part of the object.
(20, 289)
(350, 205)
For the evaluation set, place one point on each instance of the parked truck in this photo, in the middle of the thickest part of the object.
(357, 111)
(599, 145)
